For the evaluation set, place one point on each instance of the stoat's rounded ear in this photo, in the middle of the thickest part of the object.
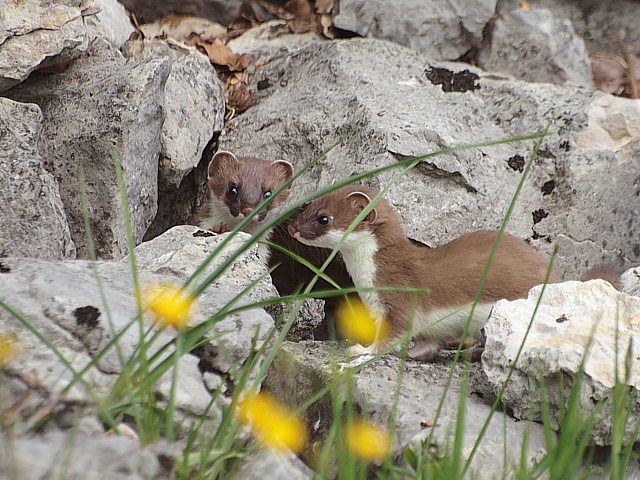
(282, 169)
(222, 160)
(359, 200)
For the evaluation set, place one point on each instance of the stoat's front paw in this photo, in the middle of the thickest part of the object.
(221, 228)
(423, 350)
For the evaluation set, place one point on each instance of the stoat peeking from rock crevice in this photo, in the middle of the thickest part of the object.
(237, 186)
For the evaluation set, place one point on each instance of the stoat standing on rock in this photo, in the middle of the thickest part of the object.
(378, 253)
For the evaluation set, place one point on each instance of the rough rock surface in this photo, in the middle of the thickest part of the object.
(72, 455)
(264, 464)
(221, 11)
(568, 315)
(594, 21)
(630, 281)
(182, 249)
(194, 104)
(393, 100)
(301, 369)
(441, 29)
(33, 222)
(108, 106)
(64, 302)
(111, 23)
(36, 33)
(536, 46)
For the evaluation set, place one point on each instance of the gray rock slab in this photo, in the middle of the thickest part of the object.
(536, 46)
(180, 250)
(74, 456)
(64, 302)
(594, 21)
(194, 102)
(302, 369)
(35, 33)
(33, 222)
(103, 105)
(569, 314)
(441, 29)
(630, 282)
(112, 23)
(266, 465)
(194, 105)
(398, 104)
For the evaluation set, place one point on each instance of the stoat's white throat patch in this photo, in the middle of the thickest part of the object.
(359, 251)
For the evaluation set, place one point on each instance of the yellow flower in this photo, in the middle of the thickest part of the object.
(9, 348)
(171, 305)
(356, 323)
(272, 424)
(368, 441)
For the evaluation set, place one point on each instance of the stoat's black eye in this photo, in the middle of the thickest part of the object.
(323, 220)
(232, 191)
(267, 194)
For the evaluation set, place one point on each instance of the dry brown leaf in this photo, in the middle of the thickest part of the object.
(524, 5)
(239, 98)
(278, 12)
(220, 54)
(246, 19)
(305, 19)
(183, 28)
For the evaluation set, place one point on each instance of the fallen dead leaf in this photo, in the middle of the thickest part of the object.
(183, 28)
(220, 54)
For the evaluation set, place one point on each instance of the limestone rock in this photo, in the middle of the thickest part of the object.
(64, 302)
(392, 101)
(33, 222)
(36, 33)
(180, 250)
(301, 369)
(442, 29)
(630, 282)
(103, 105)
(194, 103)
(595, 22)
(567, 316)
(111, 23)
(266, 465)
(536, 46)
(70, 455)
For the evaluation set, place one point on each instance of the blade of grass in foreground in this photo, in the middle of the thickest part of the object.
(126, 216)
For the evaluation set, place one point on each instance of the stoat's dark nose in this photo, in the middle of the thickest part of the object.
(292, 230)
